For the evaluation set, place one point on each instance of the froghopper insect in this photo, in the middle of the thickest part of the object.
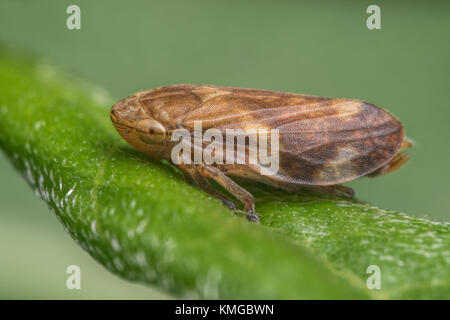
(323, 142)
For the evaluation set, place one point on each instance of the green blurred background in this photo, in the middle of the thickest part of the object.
(315, 48)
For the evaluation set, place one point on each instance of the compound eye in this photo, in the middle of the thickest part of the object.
(150, 131)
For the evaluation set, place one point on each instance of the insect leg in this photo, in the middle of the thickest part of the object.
(203, 183)
(336, 190)
(233, 188)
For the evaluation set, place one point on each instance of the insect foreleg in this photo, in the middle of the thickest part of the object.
(232, 187)
(191, 171)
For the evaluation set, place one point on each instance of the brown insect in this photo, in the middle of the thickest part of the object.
(323, 142)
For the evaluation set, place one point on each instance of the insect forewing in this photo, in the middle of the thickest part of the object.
(322, 141)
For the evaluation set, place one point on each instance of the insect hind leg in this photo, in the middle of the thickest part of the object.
(333, 190)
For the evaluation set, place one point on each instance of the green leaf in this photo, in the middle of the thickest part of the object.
(141, 219)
